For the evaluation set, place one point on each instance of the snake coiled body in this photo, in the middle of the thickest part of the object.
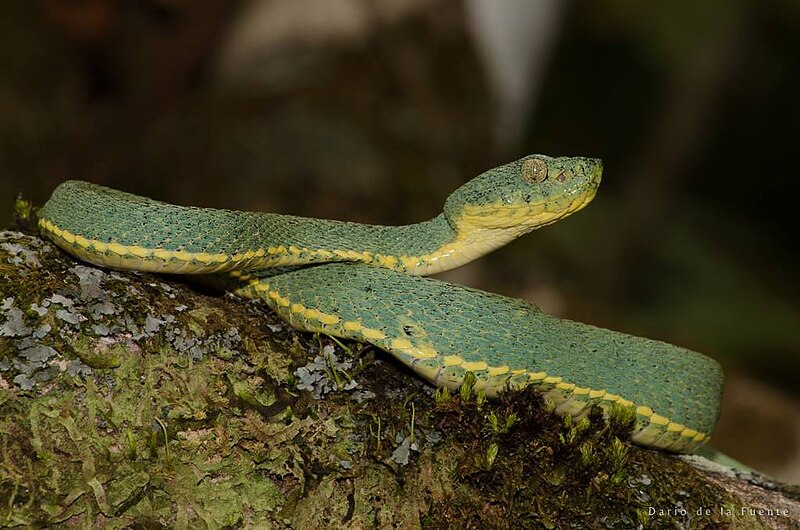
(361, 282)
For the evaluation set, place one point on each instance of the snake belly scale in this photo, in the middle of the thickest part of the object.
(363, 282)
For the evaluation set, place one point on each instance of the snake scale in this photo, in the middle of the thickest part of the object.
(364, 282)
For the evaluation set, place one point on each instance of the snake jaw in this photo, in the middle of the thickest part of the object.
(521, 218)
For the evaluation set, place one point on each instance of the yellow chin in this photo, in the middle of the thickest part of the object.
(482, 229)
(522, 218)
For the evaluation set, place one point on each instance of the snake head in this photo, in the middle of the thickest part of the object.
(532, 192)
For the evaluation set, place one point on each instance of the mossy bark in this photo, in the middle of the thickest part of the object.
(130, 400)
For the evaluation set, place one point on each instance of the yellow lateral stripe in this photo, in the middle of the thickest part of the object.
(352, 325)
(498, 370)
(654, 419)
(82, 241)
(659, 420)
(373, 334)
(474, 366)
(141, 252)
(117, 249)
(690, 433)
(423, 353)
(427, 351)
(452, 360)
(409, 261)
(389, 262)
(401, 344)
(136, 250)
(329, 319)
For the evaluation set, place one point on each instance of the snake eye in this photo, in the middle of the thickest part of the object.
(534, 170)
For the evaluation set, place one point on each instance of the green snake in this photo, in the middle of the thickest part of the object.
(364, 282)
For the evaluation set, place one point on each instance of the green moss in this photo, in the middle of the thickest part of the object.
(98, 355)
(544, 472)
(147, 431)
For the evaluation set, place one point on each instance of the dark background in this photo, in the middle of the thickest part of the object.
(375, 111)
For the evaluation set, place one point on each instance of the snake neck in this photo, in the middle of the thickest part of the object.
(418, 249)
(460, 246)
